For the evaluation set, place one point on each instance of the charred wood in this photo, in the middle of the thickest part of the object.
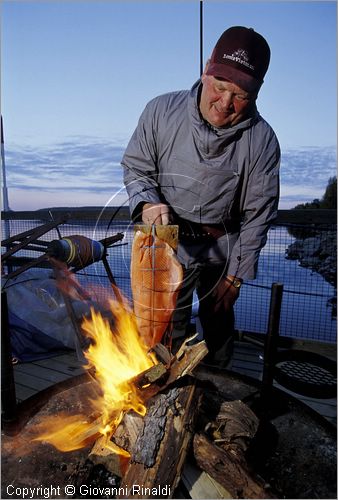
(161, 448)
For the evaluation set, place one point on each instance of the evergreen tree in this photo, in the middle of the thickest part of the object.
(329, 199)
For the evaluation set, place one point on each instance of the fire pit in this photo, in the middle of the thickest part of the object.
(293, 450)
(142, 416)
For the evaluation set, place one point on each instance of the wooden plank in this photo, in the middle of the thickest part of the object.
(248, 352)
(322, 406)
(248, 373)
(325, 407)
(67, 357)
(248, 358)
(253, 370)
(200, 485)
(41, 372)
(248, 355)
(23, 392)
(240, 361)
(58, 365)
(35, 379)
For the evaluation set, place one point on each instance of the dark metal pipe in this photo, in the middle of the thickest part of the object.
(271, 342)
(201, 38)
(8, 396)
(112, 280)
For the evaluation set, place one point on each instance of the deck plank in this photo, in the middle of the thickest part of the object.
(22, 392)
(247, 360)
(37, 380)
(67, 365)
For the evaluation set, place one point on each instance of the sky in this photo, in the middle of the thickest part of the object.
(75, 77)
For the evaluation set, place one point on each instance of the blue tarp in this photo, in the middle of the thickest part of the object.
(29, 343)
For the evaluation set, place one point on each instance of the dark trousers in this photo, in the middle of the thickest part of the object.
(217, 324)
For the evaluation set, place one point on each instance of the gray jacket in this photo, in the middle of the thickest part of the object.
(207, 175)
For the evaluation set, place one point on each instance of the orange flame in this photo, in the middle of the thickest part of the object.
(117, 356)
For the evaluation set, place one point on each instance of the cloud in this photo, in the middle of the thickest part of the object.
(305, 172)
(20, 199)
(86, 171)
(86, 165)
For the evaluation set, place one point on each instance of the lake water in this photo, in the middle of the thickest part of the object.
(305, 313)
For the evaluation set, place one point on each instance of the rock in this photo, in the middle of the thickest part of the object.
(311, 247)
(295, 250)
(318, 253)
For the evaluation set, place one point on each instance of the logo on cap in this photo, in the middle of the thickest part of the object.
(240, 56)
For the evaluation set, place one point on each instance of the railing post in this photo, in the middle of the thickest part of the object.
(271, 342)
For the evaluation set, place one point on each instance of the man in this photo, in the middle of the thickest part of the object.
(206, 160)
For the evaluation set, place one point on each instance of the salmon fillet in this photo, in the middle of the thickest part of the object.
(156, 277)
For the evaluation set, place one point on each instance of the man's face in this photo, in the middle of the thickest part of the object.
(223, 103)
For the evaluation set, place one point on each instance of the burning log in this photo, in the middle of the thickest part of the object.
(161, 447)
(166, 413)
(186, 359)
(110, 453)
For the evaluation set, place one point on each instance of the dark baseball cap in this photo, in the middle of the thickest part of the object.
(242, 56)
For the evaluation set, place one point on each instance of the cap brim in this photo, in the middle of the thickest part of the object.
(239, 78)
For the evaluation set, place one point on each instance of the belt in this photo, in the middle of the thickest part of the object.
(194, 231)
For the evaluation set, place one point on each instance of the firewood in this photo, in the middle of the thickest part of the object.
(101, 454)
(200, 485)
(161, 447)
(182, 364)
(235, 426)
(128, 431)
(148, 384)
(144, 379)
(229, 469)
(156, 373)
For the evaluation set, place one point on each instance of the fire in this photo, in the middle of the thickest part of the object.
(117, 355)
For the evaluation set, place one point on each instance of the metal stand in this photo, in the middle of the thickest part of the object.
(28, 240)
(8, 395)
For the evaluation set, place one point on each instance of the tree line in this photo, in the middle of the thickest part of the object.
(329, 199)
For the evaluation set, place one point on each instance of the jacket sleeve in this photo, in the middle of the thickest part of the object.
(139, 163)
(259, 205)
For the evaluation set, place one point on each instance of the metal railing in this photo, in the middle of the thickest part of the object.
(300, 253)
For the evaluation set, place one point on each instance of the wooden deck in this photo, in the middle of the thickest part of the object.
(248, 360)
(31, 378)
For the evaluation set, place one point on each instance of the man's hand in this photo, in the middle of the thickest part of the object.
(156, 213)
(225, 295)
